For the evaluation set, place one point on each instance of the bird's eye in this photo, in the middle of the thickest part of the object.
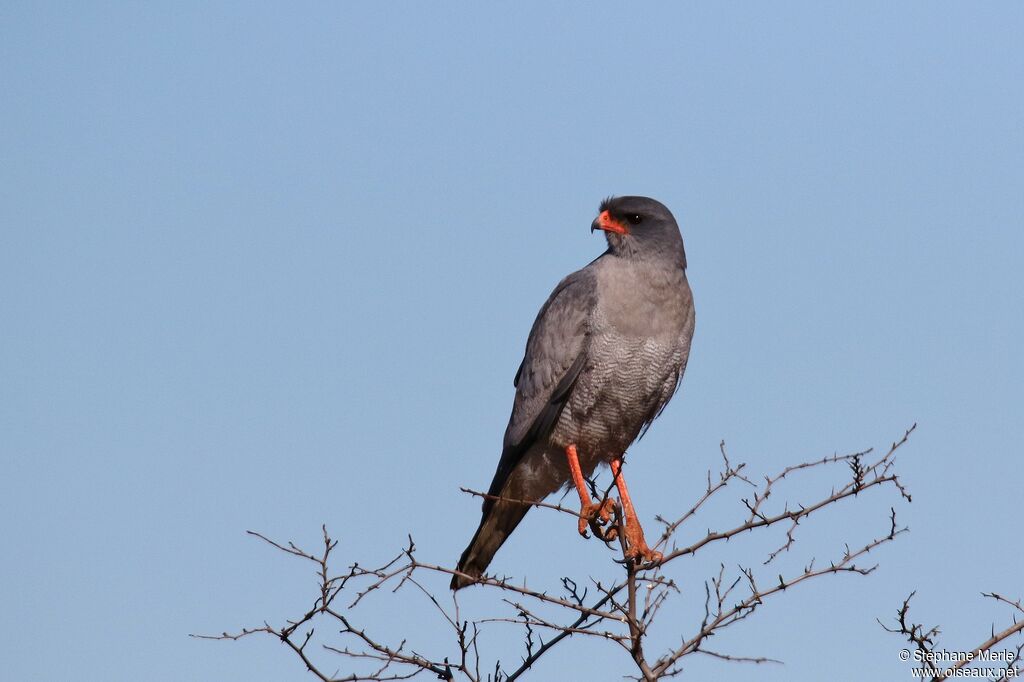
(635, 218)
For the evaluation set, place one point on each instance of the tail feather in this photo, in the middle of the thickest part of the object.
(497, 524)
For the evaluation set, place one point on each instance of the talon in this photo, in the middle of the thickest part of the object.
(600, 523)
(585, 519)
(637, 550)
(636, 545)
(597, 515)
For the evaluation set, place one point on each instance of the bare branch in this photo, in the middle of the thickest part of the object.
(621, 612)
(925, 641)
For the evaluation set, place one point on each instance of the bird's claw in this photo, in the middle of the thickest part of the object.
(637, 550)
(644, 558)
(597, 515)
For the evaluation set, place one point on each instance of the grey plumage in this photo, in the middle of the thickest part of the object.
(605, 355)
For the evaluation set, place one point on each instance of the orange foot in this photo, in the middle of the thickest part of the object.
(597, 515)
(593, 514)
(636, 544)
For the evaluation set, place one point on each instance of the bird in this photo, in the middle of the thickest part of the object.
(606, 353)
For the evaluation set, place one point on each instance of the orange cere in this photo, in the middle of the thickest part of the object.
(609, 224)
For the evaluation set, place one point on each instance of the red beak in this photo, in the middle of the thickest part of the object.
(608, 224)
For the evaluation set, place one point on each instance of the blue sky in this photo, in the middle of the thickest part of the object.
(271, 267)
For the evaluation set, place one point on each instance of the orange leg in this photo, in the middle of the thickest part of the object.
(636, 545)
(589, 510)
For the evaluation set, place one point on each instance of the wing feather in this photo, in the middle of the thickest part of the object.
(556, 353)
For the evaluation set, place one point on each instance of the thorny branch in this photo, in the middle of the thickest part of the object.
(621, 612)
(933, 661)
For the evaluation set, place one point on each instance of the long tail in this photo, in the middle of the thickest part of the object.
(497, 524)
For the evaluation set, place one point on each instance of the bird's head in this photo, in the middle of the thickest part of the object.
(639, 227)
